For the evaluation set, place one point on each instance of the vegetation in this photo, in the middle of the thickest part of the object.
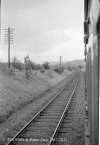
(59, 70)
(27, 63)
(42, 70)
(37, 67)
(32, 65)
(17, 64)
(46, 65)
(80, 66)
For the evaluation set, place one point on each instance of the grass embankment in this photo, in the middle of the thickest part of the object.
(16, 91)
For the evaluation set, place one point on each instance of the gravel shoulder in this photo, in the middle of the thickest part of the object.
(76, 133)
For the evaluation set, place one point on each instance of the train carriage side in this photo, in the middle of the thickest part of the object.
(92, 44)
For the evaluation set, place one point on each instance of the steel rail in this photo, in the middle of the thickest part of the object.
(33, 119)
(53, 138)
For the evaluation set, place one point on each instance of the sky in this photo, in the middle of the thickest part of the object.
(43, 29)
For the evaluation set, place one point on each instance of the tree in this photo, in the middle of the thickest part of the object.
(80, 66)
(17, 64)
(14, 60)
(27, 66)
(46, 65)
(35, 66)
(59, 70)
(32, 65)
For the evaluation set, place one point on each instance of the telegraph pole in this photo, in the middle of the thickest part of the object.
(9, 41)
(60, 61)
(9, 47)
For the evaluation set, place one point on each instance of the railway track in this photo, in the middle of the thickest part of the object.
(44, 126)
(62, 135)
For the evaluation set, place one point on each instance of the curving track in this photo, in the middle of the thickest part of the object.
(44, 126)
